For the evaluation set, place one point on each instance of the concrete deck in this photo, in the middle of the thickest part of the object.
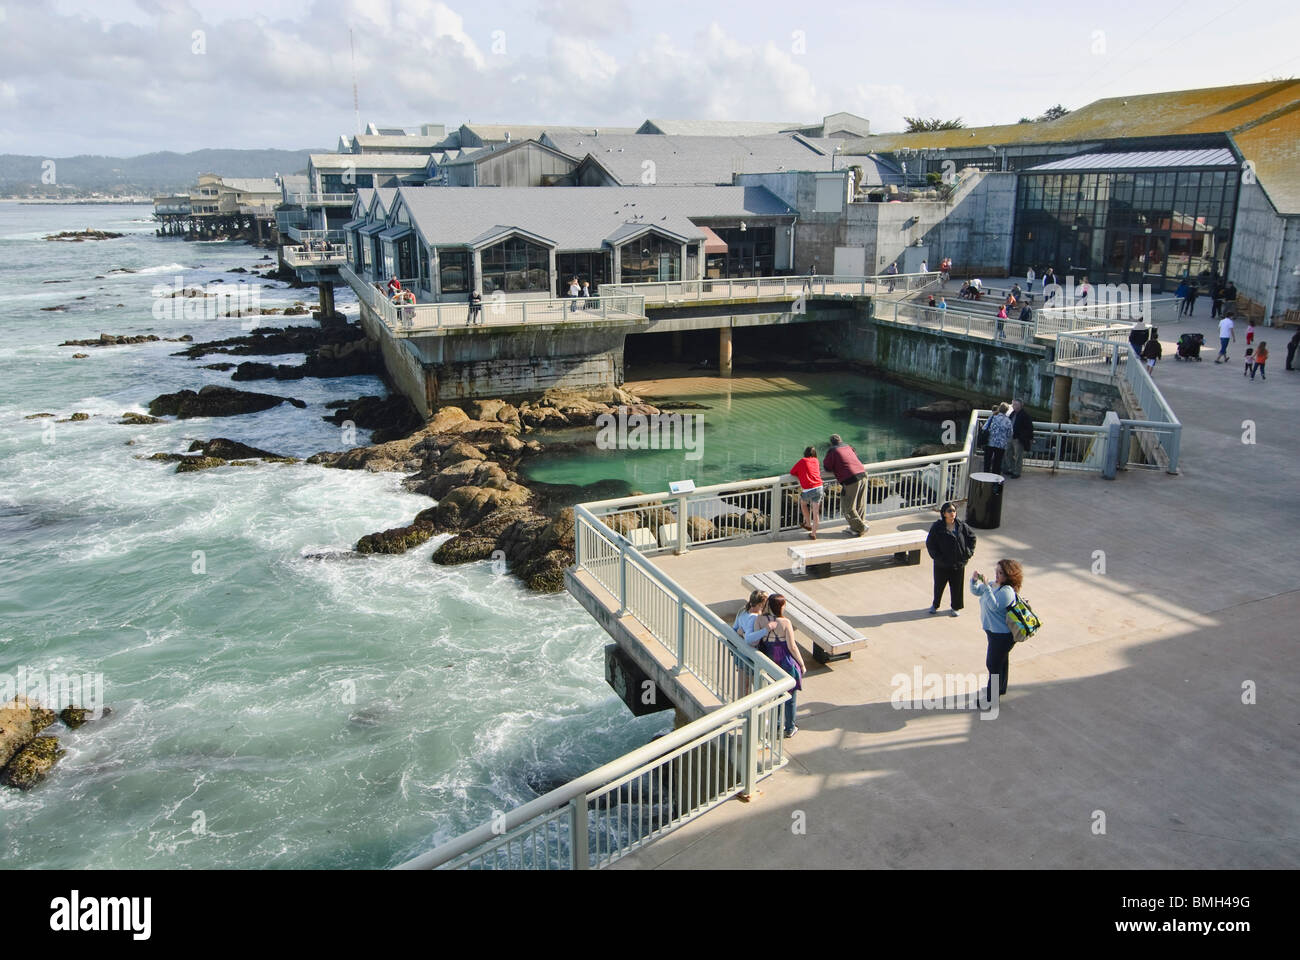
(1127, 705)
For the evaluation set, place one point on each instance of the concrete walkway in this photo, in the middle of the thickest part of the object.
(1126, 711)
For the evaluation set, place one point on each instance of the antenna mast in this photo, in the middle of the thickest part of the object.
(356, 104)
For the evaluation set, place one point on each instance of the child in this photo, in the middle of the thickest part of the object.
(1250, 333)
(1261, 357)
(1250, 361)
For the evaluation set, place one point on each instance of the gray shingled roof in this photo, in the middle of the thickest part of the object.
(685, 160)
(578, 218)
(370, 161)
(720, 128)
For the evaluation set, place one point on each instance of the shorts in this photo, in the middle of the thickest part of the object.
(811, 496)
(1151, 364)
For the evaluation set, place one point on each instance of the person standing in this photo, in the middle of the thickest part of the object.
(1193, 292)
(1151, 352)
(941, 305)
(950, 544)
(1291, 347)
(1181, 294)
(1250, 332)
(1216, 304)
(784, 652)
(1261, 357)
(744, 624)
(892, 272)
(925, 267)
(586, 295)
(1022, 439)
(810, 490)
(1226, 331)
(575, 291)
(1230, 298)
(475, 308)
(995, 449)
(995, 599)
(1029, 282)
(945, 272)
(1049, 281)
(843, 462)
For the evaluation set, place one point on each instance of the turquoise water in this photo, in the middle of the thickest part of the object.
(304, 707)
(752, 427)
(306, 712)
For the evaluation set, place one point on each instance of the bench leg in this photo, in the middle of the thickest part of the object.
(820, 570)
(821, 656)
(908, 558)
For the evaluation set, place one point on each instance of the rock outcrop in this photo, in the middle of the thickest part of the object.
(215, 401)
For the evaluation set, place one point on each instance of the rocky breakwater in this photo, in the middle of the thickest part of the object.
(334, 349)
(218, 452)
(468, 460)
(25, 757)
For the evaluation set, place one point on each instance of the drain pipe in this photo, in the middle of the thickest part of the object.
(792, 266)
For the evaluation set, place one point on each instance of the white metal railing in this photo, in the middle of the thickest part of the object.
(306, 236)
(406, 320)
(767, 506)
(321, 199)
(1065, 446)
(327, 254)
(1054, 318)
(953, 320)
(628, 803)
(1105, 354)
(743, 288)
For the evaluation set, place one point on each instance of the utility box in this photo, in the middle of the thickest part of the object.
(632, 684)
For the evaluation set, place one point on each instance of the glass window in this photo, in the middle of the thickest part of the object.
(453, 270)
(516, 266)
(650, 258)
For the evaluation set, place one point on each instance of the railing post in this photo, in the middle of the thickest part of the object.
(774, 521)
(1171, 448)
(681, 524)
(751, 751)
(622, 576)
(579, 858)
(681, 634)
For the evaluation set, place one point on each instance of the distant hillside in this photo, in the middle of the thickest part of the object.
(150, 173)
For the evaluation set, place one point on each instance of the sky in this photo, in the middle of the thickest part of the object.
(124, 77)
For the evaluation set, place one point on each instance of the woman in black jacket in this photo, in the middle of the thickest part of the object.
(950, 544)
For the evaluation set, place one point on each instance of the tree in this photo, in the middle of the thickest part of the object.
(920, 124)
(1054, 113)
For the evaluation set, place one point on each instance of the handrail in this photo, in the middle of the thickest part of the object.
(579, 787)
(784, 286)
(306, 199)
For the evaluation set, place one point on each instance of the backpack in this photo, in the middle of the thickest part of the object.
(1022, 622)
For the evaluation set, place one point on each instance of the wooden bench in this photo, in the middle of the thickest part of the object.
(832, 638)
(816, 556)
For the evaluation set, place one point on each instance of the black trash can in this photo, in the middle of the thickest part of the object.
(984, 501)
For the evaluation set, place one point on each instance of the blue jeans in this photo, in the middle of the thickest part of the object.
(790, 704)
(1223, 347)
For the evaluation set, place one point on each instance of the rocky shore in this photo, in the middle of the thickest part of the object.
(468, 460)
(25, 757)
(77, 236)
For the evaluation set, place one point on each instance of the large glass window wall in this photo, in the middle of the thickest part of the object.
(516, 266)
(650, 258)
(1153, 227)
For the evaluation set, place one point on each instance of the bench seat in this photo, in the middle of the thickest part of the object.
(816, 556)
(832, 638)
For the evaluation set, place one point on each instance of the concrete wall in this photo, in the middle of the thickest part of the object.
(518, 361)
(401, 360)
(1259, 235)
(974, 227)
(970, 367)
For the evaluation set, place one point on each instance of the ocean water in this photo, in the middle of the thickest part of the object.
(277, 702)
(272, 706)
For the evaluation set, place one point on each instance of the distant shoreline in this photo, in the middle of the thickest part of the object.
(75, 203)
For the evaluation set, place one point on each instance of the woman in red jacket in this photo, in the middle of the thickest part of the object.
(810, 490)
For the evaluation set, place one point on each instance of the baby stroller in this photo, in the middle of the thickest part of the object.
(1189, 346)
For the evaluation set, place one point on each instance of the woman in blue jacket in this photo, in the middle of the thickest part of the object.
(995, 598)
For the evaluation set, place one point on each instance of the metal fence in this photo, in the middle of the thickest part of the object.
(623, 806)
(331, 254)
(953, 320)
(406, 320)
(743, 288)
(652, 523)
